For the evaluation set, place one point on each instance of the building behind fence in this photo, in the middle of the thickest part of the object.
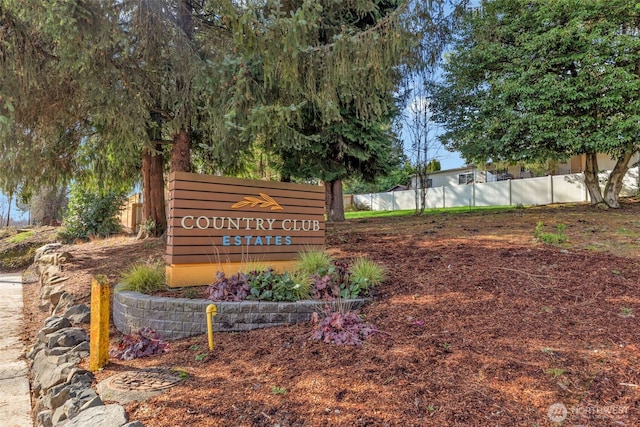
(545, 190)
(131, 214)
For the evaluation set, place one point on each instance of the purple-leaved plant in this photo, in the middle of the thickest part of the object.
(234, 288)
(341, 327)
(146, 342)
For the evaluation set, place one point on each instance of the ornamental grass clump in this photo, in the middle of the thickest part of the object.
(364, 273)
(312, 261)
(303, 284)
(144, 278)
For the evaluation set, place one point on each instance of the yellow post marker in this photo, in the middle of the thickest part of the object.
(211, 311)
(99, 334)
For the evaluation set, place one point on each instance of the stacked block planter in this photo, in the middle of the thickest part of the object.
(175, 318)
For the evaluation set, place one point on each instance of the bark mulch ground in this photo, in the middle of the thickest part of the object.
(480, 325)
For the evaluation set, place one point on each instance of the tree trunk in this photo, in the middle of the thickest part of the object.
(423, 192)
(615, 182)
(9, 208)
(181, 152)
(153, 190)
(333, 200)
(181, 149)
(591, 180)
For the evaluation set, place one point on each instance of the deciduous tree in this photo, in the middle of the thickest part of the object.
(531, 81)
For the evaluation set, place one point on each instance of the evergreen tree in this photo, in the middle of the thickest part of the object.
(315, 83)
(97, 89)
(100, 90)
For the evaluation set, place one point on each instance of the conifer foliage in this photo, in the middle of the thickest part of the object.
(110, 92)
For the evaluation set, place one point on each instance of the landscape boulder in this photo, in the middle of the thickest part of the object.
(78, 314)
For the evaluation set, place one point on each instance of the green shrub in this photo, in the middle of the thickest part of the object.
(144, 278)
(91, 214)
(268, 285)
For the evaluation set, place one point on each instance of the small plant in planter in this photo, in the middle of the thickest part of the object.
(234, 288)
(316, 276)
(312, 261)
(268, 285)
(144, 343)
(329, 282)
(343, 281)
(303, 284)
(343, 327)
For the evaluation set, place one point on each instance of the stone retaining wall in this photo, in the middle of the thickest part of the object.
(174, 318)
(62, 393)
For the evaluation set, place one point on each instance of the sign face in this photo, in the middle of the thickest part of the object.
(218, 220)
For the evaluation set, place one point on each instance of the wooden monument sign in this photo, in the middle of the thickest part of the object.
(223, 224)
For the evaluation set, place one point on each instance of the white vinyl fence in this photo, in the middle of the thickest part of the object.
(529, 191)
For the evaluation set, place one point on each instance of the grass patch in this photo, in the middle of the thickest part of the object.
(626, 312)
(377, 214)
(17, 258)
(626, 232)
(555, 372)
(6, 232)
(21, 237)
(438, 211)
(550, 238)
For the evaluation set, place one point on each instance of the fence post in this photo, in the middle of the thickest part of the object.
(510, 196)
(473, 191)
(99, 327)
(444, 204)
(551, 186)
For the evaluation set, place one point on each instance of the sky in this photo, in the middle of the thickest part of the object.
(16, 215)
(448, 159)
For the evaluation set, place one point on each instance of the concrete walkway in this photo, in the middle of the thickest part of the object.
(15, 401)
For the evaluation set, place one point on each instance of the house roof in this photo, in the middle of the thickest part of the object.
(460, 169)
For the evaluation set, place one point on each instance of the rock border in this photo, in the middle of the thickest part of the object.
(62, 393)
(175, 318)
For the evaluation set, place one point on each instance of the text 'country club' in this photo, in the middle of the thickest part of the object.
(190, 222)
